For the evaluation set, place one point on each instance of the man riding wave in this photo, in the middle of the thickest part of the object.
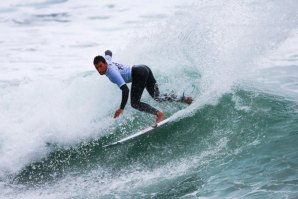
(140, 77)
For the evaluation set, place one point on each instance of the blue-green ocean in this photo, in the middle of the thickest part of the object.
(237, 59)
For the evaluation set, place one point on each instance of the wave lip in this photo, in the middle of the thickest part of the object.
(54, 126)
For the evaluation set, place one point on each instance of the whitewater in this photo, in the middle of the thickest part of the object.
(238, 139)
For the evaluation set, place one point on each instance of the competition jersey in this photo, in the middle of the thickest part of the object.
(118, 73)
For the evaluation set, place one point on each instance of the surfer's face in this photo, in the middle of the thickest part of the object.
(101, 67)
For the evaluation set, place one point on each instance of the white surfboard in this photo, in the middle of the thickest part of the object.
(138, 134)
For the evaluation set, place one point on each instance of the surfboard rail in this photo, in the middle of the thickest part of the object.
(138, 134)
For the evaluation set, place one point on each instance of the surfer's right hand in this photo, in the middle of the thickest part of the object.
(118, 112)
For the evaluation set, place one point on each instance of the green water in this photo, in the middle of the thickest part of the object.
(237, 59)
(246, 145)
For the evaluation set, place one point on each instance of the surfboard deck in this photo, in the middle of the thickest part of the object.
(138, 134)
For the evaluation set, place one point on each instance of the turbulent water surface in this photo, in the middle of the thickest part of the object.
(238, 59)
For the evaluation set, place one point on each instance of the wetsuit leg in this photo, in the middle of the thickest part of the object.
(140, 76)
(151, 85)
(153, 90)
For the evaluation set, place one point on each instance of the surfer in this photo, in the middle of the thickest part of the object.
(141, 77)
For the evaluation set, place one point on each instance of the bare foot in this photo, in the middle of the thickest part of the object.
(160, 117)
(187, 100)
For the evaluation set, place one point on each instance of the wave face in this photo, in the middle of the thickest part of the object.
(237, 140)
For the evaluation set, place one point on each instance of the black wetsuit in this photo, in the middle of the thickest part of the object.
(142, 77)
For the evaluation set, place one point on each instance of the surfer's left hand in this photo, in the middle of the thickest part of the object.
(118, 112)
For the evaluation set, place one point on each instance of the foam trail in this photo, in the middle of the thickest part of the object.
(49, 96)
(206, 51)
(50, 111)
(224, 47)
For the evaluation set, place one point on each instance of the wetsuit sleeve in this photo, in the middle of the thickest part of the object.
(125, 93)
(108, 52)
(108, 59)
(108, 56)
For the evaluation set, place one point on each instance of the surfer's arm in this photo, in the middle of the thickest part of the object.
(108, 56)
(125, 93)
(108, 52)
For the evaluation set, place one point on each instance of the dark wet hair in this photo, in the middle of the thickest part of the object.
(98, 59)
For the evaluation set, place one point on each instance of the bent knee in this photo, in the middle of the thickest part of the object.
(135, 104)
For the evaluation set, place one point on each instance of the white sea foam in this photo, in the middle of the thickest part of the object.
(93, 184)
(50, 92)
